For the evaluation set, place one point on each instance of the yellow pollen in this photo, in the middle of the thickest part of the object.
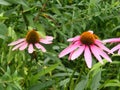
(88, 38)
(32, 37)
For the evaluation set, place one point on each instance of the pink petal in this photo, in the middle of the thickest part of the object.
(78, 52)
(71, 53)
(94, 50)
(23, 46)
(98, 43)
(69, 49)
(45, 41)
(30, 48)
(115, 48)
(112, 40)
(74, 38)
(18, 45)
(103, 54)
(16, 42)
(88, 57)
(40, 47)
(49, 38)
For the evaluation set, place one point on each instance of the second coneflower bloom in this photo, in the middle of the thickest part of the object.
(87, 43)
(32, 39)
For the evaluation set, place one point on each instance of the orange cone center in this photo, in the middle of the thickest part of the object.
(88, 38)
(32, 37)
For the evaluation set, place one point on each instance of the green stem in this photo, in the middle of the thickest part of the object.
(24, 18)
(71, 77)
(41, 10)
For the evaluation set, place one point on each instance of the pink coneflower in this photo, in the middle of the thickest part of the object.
(87, 43)
(32, 39)
(114, 40)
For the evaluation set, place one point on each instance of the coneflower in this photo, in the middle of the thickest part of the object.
(32, 39)
(87, 43)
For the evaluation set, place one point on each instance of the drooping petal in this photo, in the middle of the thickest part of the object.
(115, 48)
(74, 39)
(88, 57)
(23, 46)
(30, 48)
(103, 54)
(71, 53)
(45, 41)
(112, 40)
(98, 43)
(78, 52)
(49, 38)
(69, 49)
(95, 52)
(40, 47)
(18, 45)
(16, 42)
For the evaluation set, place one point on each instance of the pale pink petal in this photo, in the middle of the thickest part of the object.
(18, 45)
(23, 46)
(74, 38)
(49, 38)
(101, 45)
(95, 52)
(115, 48)
(69, 49)
(45, 41)
(69, 58)
(40, 47)
(16, 42)
(103, 54)
(30, 48)
(112, 40)
(88, 57)
(78, 52)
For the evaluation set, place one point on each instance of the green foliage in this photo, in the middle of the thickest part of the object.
(61, 19)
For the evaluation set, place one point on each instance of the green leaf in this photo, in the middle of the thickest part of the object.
(41, 86)
(22, 2)
(43, 72)
(98, 65)
(82, 84)
(3, 29)
(2, 37)
(3, 2)
(114, 83)
(96, 80)
(64, 82)
(1, 87)
(41, 29)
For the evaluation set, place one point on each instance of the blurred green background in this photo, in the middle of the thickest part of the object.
(61, 19)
